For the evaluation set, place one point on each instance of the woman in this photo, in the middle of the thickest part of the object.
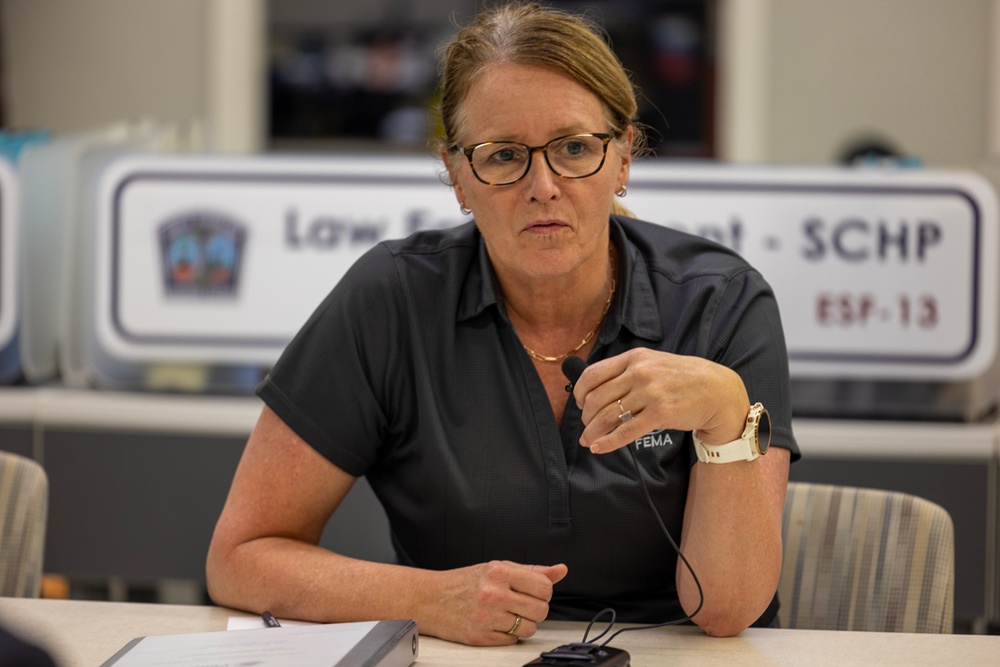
(434, 368)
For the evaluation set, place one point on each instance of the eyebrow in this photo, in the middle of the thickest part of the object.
(559, 132)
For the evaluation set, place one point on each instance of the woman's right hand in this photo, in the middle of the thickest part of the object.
(265, 555)
(479, 604)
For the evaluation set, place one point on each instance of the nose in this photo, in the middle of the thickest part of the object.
(540, 181)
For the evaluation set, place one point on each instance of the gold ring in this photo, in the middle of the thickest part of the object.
(517, 624)
(624, 415)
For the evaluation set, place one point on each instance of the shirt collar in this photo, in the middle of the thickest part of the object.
(481, 289)
(635, 306)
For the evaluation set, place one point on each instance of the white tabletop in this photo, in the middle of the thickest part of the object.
(84, 634)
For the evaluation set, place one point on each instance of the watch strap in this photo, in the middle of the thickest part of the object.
(741, 449)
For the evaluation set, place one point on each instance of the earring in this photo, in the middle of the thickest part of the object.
(465, 211)
(622, 192)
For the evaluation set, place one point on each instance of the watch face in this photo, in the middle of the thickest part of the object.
(764, 432)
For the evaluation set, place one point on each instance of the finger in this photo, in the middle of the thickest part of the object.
(533, 589)
(500, 638)
(515, 621)
(617, 422)
(600, 408)
(518, 629)
(528, 628)
(531, 596)
(555, 573)
(596, 375)
(622, 436)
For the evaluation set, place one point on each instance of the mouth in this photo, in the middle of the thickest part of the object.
(545, 227)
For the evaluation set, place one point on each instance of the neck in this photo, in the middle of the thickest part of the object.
(564, 316)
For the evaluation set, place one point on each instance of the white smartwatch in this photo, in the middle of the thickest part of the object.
(751, 445)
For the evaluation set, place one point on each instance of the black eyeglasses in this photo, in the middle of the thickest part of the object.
(506, 162)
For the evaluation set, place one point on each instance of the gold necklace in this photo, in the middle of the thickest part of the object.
(590, 334)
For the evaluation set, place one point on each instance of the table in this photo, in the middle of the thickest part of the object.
(84, 634)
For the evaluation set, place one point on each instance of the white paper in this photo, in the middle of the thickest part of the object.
(256, 623)
(308, 646)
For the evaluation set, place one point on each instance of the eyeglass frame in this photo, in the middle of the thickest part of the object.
(605, 138)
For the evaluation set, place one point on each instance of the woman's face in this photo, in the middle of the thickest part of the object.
(542, 226)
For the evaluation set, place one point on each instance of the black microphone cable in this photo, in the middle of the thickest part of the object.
(573, 368)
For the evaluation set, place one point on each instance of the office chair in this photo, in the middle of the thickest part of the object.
(864, 559)
(24, 497)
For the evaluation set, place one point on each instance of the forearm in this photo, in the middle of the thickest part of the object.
(298, 580)
(264, 555)
(732, 538)
(473, 605)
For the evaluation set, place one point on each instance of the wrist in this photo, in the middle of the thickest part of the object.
(726, 428)
(752, 443)
(729, 402)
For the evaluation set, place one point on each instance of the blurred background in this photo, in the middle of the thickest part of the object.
(139, 455)
(773, 81)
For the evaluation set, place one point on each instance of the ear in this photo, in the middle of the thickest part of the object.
(626, 157)
(452, 174)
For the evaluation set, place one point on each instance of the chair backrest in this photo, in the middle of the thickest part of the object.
(24, 498)
(865, 559)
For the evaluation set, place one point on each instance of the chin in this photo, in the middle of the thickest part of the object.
(553, 262)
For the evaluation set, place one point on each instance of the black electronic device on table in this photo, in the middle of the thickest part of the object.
(583, 654)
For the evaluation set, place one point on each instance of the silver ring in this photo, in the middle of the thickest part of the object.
(517, 624)
(625, 415)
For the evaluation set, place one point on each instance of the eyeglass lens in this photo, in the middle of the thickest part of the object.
(575, 156)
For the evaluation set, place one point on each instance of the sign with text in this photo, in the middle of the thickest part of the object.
(878, 274)
(222, 260)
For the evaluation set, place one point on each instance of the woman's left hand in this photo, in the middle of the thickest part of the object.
(661, 391)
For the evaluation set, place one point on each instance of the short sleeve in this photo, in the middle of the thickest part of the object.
(742, 329)
(329, 385)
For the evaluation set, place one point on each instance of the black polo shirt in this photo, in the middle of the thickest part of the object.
(410, 373)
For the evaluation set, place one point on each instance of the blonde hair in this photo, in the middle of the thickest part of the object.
(529, 34)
